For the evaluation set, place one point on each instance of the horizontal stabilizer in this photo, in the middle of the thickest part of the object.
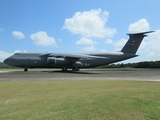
(141, 33)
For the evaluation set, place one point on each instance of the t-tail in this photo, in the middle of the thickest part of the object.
(134, 42)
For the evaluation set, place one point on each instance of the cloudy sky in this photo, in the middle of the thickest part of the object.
(78, 26)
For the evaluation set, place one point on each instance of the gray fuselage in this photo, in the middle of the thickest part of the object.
(42, 60)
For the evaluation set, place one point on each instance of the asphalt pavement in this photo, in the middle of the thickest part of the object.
(83, 74)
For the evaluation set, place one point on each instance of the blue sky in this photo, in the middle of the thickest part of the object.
(78, 26)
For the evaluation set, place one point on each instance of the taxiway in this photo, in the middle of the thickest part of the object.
(83, 74)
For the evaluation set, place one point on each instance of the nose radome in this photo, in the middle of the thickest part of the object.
(8, 61)
(5, 61)
(12, 61)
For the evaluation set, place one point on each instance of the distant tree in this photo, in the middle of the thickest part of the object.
(145, 64)
(2, 65)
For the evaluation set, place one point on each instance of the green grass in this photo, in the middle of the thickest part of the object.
(80, 100)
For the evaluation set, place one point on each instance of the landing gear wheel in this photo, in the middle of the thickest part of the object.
(25, 69)
(64, 69)
(75, 69)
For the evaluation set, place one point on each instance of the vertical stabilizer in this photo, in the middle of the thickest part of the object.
(134, 42)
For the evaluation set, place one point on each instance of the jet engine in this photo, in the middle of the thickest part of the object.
(55, 61)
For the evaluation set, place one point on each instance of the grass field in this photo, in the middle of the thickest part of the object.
(80, 100)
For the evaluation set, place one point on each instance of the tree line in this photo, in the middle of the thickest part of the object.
(2, 65)
(145, 64)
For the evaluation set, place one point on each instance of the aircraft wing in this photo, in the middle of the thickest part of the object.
(75, 57)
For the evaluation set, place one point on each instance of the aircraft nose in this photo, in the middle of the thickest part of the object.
(9, 61)
(6, 61)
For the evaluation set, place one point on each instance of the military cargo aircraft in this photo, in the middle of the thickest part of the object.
(75, 61)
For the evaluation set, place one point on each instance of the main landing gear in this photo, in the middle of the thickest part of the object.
(75, 69)
(25, 69)
(64, 69)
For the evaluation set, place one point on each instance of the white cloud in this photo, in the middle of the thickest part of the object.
(103, 51)
(85, 41)
(119, 44)
(42, 39)
(90, 24)
(4, 55)
(150, 46)
(18, 35)
(139, 26)
(18, 51)
(108, 41)
(89, 48)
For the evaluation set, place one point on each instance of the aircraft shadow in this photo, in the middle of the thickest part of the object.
(115, 69)
(69, 72)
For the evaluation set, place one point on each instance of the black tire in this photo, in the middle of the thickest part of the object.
(25, 69)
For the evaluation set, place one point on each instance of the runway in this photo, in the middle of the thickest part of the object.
(83, 74)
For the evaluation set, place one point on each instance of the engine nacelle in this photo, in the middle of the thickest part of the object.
(77, 63)
(55, 61)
